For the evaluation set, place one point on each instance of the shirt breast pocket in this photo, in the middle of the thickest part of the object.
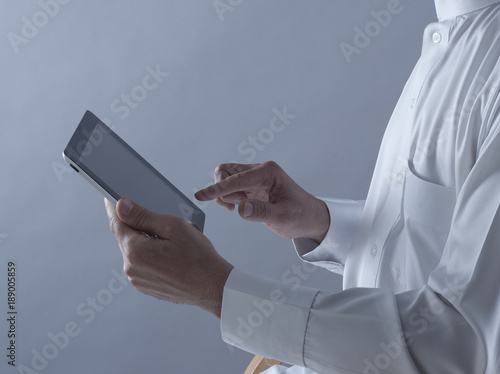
(427, 214)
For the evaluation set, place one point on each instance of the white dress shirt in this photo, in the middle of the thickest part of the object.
(420, 257)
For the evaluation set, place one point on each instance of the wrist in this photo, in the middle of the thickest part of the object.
(321, 221)
(213, 303)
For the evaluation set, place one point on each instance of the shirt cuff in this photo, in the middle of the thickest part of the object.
(266, 317)
(331, 253)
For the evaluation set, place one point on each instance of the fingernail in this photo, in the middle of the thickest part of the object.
(125, 207)
(248, 210)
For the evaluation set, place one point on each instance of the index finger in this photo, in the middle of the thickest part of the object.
(235, 183)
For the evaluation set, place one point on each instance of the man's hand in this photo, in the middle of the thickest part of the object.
(174, 261)
(265, 193)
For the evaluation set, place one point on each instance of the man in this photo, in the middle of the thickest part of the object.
(419, 257)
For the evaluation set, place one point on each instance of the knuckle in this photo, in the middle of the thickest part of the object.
(221, 172)
(271, 165)
(264, 211)
(270, 169)
(273, 169)
(141, 218)
(113, 225)
(220, 168)
(128, 269)
(238, 178)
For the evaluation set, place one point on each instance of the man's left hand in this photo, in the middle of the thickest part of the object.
(167, 257)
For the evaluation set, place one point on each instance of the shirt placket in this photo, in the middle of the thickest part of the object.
(388, 225)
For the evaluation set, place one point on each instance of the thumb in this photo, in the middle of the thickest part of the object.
(137, 217)
(257, 211)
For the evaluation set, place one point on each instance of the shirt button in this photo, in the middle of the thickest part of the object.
(400, 178)
(436, 37)
(413, 101)
(374, 250)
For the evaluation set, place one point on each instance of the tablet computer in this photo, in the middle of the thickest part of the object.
(105, 160)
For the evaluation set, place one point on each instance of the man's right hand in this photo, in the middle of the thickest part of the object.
(265, 193)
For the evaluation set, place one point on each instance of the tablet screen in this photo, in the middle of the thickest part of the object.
(122, 172)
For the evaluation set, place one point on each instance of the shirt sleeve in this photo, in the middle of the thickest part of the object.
(450, 325)
(354, 331)
(331, 253)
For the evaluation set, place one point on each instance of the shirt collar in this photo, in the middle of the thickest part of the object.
(454, 8)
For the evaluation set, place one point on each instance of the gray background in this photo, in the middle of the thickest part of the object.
(227, 74)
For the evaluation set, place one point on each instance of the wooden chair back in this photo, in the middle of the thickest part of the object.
(260, 364)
